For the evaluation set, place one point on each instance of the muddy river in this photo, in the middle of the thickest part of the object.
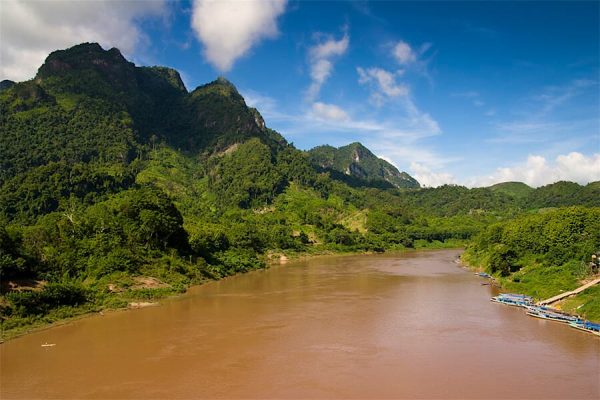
(376, 326)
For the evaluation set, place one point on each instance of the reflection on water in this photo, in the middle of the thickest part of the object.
(385, 326)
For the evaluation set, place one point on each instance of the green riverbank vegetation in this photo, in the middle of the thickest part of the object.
(542, 254)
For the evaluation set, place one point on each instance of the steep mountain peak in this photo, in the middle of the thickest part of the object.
(358, 151)
(356, 145)
(88, 69)
(358, 162)
(82, 57)
(221, 113)
(224, 81)
(221, 87)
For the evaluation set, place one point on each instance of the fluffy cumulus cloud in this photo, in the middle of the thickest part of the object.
(538, 171)
(228, 29)
(383, 82)
(403, 53)
(428, 178)
(30, 30)
(329, 112)
(321, 57)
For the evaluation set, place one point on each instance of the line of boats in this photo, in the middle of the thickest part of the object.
(545, 312)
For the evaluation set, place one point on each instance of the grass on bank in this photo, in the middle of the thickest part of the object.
(585, 304)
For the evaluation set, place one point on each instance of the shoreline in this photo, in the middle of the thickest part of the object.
(282, 260)
(497, 283)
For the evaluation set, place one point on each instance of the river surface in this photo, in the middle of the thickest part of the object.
(377, 326)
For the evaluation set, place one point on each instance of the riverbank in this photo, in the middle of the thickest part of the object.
(541, 285)
(127, 293)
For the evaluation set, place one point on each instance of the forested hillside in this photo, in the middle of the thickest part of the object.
(355, 165)
(119, 185)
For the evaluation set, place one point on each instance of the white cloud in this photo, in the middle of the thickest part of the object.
(228, 29)
(384, 81)
(329, 112)
(30, 30)
(330, 48)
(412, 58)
(403, 53)
(321, 58)
(426, 177)
(537, 171)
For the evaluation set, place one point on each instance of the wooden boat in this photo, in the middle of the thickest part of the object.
(543, 313)
(511, 302)
(510, 299)
(587, 326)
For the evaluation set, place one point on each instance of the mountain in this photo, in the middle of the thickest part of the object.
(356, 161)
(210, 118)
(89, 117)
(516, 189)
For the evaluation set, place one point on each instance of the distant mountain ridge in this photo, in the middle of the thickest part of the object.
(355, 160)
(88, 105)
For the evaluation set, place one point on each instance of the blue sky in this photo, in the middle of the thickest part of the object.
(452, 92)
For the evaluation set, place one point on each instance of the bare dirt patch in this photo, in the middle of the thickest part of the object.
(148, 282)
(141, 304)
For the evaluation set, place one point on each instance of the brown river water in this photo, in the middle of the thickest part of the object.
(377, 326)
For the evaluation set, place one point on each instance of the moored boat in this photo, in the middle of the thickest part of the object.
(511, 299)
(551, 314)
(587, 326)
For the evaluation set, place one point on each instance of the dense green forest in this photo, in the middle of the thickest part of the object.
(119, 185)
(542, 254)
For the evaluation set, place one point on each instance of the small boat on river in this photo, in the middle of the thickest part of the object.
(511, 299)
(587, 326)
(551, 314)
